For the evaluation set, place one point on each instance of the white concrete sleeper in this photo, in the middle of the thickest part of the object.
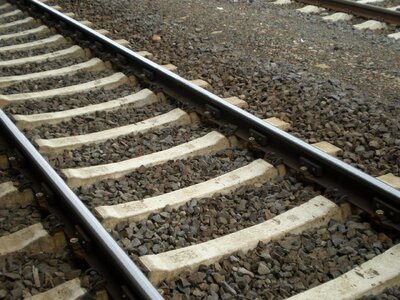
(10, 196)
(257, 172)
(12, 25)
(69, 290)
(168, 265)
(52, 41)
(94, 64)
(37, 31)
(139, 99)
(13, 13)
(34, 239)
(74, 51)
(208, 144)
(176, 117)
(109, 82)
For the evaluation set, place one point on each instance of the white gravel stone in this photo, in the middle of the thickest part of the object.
(370, 25)
(369, 1)
(337, 17)
(311, 9)
(395, 35)
(394, 7)
(282, 2)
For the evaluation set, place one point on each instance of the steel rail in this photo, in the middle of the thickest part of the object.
(358, 9)
(113, 255)
(361, 189)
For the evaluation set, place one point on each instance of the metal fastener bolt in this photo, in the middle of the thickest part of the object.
(303, 168)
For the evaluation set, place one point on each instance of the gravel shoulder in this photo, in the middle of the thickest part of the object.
(329, 81)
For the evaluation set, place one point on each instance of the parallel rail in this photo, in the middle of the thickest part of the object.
(362, 190)
(105, 249)
(358, 9)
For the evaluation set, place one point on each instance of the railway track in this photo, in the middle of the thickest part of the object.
(202, 197)
(380, 16)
